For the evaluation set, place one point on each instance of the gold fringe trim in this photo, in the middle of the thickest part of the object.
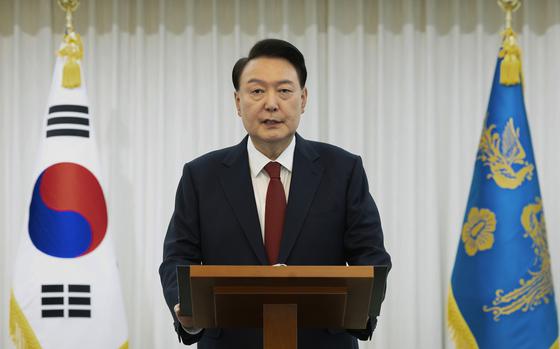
(21, 332)
(555, 345)
(73, 51)
(460, 331)
(510, 69)
(124, 345)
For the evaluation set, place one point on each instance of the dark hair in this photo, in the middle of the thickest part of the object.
(274, 48)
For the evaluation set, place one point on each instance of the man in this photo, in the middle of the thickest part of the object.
(275, 198)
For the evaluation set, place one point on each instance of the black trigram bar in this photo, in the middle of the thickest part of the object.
(79, 288)
(69, 107)
(52, 313)
(68, 132)
(68, 120)
(52, 300)
(79, 300)
(79, 313)
(52, 288)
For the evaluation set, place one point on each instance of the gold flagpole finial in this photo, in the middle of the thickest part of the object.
(510, 68)
(509, 6)
(69, 6)
(72, 49)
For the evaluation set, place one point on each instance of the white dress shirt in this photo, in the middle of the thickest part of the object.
(260, 178)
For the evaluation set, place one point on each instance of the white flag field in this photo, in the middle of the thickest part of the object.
(66, 291)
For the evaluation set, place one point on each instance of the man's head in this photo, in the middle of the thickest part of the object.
(272, 48)
(270, 93)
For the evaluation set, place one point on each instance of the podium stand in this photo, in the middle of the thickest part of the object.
(281, 298)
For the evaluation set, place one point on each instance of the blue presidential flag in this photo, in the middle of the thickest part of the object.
(501, 293)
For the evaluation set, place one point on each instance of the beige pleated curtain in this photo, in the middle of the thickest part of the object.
(403, 83)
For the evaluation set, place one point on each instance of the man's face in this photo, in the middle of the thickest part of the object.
(270, 101)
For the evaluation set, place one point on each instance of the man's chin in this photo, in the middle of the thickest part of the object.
(273, 139)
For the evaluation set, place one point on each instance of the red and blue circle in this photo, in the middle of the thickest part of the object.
(68, 214)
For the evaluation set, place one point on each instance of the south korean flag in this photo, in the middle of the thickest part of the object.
(66, 291)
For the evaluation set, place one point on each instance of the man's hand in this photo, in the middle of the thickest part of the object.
(186, 321)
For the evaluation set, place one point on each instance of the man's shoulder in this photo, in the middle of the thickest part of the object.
(327, 151)
(209, 165)
(212, 158)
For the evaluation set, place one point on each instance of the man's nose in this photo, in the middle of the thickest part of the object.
(271, 103)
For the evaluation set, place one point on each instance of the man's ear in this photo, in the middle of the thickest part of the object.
(303, 99)
(237, 102)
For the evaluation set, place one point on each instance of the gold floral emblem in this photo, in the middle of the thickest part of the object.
(538, 288)
(478, 230)
(505, 156)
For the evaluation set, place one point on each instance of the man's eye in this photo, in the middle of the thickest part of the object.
(257, 91)
(285, 91)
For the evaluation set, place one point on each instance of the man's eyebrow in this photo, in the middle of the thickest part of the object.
(281, 82)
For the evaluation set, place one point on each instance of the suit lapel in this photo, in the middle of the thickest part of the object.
(237, 185)
(306, 176)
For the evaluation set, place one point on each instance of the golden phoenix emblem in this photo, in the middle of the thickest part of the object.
(505, 156)
(538, 288)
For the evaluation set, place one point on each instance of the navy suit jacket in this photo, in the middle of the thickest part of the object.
(331, 219)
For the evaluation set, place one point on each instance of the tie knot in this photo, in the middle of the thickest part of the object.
(273, 169)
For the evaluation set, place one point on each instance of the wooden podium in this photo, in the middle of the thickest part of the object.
(281, 298)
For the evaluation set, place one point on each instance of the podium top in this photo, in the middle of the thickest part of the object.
(215, 295)
(295, 271)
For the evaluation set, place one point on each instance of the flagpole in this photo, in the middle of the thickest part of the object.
(72, 50)
(509, 6)
(69, 6)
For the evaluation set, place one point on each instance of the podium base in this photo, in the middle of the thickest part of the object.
(280, 326)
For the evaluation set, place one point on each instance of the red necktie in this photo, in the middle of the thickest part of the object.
(274, 212)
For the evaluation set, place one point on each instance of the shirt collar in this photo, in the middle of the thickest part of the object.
(257, 160)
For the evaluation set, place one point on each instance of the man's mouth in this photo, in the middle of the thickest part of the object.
(271, 122)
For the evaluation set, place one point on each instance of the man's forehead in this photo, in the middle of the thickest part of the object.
(269, 69)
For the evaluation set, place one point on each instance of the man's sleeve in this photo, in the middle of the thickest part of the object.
(181, 247)
(363, 240)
